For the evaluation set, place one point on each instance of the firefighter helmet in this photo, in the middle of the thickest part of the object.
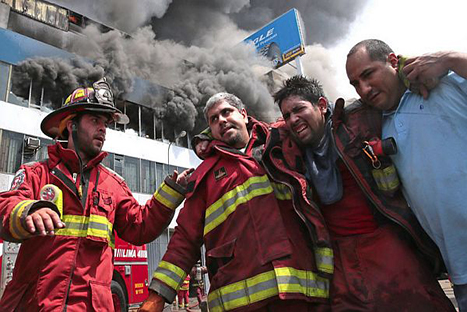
(98, 99)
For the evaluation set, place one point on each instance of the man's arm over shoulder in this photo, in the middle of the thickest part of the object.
(429, 67)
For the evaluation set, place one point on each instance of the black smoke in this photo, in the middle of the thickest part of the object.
(188, 46)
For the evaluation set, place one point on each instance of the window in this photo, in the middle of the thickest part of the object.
(160, 176)
(132, 111)
(19, 5)
(19, 93)
(31, 153)
(4, 70)
(171, 169)
(62, 19)
(51, 16)
(118, 163)
(147, 122)
(36, 94)
(109, 161)
(41, 11)
(148, 177)
(131, 173)
(10, 151)
(44, 12)
(121, 107)
(29, 7)
(42, 153)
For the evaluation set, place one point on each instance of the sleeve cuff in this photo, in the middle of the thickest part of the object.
(18, 216)
(163, 290)
(169, 196)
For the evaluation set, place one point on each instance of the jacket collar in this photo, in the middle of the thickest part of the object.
(59, 153)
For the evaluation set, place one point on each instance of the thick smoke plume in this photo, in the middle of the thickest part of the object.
(191, 48)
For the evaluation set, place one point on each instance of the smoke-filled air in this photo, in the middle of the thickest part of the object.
(191, 47)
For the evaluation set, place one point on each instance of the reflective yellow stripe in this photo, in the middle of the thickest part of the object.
(168, 196)
(267, 285)
(16, 229)
(281, 191)
(291, 280)
(228, 203)
(170, 274)
(82, 226)
(324, 259)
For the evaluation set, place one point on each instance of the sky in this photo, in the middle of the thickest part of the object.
(410, 27)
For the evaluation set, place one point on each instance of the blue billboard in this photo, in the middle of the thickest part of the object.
(281, 40)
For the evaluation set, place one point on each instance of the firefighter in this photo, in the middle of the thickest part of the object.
(264, 252)
(64, 211)
(382, 255)
(183, 293)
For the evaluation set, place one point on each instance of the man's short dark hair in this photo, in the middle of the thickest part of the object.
(301, 86)
(378, 50)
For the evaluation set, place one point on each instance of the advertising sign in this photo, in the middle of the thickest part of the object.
(281, 40)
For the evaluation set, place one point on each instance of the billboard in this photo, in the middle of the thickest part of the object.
(281, 40)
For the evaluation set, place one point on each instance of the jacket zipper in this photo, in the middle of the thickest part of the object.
(313, 235)
(65, 305)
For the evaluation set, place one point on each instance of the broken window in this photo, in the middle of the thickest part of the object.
(147, 122)
(19, 92)
(132, 111)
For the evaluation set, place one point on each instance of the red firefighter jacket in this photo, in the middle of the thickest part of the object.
(351, 127)
(258, 248)
(72, 270)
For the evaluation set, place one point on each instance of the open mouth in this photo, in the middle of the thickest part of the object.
(300, 128)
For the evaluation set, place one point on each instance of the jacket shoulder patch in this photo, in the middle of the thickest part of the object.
(18, 180)
(220, 173)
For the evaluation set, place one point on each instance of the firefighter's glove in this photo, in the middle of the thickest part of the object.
(154, 303)
(44, 215)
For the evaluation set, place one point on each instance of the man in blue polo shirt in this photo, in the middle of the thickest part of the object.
(430, 132)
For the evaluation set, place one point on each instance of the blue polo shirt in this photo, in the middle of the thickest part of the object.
(431, 137)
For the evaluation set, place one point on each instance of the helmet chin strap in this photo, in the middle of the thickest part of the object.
(74, 135)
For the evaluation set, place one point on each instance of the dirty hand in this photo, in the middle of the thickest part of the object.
(154, 303)
(424, 71)
(43, 221)
(182, 178)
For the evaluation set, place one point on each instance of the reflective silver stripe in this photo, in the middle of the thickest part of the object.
(304, 284)
(16, 228)
(170, 274)
(324, 259)
(267, 285)
(93, 226)
(227, 204)
(168, 196)
(281, 191)
(243, 293)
